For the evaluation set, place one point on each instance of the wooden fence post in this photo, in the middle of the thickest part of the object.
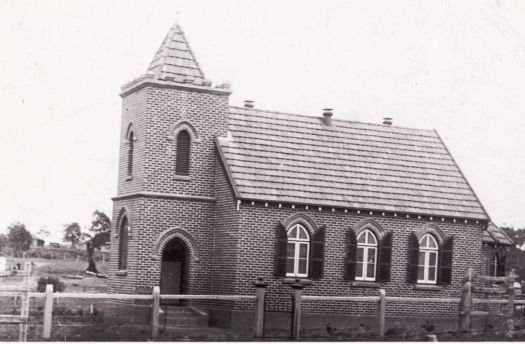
(260, 292)
(27, 268)
(296, 310)
(48, 312)
(382, 306)
(465, 303)
(510, 311)
(24, 312)
(155, 313)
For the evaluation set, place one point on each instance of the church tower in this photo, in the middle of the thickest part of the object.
(164, 205)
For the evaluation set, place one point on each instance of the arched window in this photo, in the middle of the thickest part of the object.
(497, 265)
(427, 260)
(297, 252)
(131, 142)
(366, 256)
(123, 244)
(494, 265)
(182, 164)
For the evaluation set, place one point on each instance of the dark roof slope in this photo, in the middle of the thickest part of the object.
(278, 157)
(495, 235)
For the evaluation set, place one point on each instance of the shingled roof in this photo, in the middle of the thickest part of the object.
(175, 60)
(495, 235)
(277, 157)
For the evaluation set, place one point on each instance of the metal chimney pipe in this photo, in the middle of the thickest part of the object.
(327, 116)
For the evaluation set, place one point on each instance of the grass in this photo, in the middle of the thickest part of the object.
(59, 268)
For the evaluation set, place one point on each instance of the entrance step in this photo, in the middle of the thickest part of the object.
(183, 317)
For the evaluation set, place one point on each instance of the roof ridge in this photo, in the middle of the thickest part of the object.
(333, 120)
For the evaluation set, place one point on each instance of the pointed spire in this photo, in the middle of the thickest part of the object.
(175, 60)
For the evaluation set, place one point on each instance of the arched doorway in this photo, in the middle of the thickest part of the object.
(174, 268)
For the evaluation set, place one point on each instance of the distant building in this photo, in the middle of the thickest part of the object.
(496, 244)
(37, 242)
(212, 196)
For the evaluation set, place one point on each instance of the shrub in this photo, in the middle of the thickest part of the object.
(57, 285)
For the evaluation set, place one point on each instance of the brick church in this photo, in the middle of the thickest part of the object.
(213, 196)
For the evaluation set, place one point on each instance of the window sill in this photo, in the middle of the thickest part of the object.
(431, 287)
(182, 177)
(365, 284)
(129, 177)
(121, 273)
(302, 280)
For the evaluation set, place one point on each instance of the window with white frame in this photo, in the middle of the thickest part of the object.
(366, 256)
(297, 251)
(428, 260)
(494, 265)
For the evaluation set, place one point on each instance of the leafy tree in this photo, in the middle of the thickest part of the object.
(3, 241)
(19, 237)
(101, 229)
(72, 234)
(516, 256)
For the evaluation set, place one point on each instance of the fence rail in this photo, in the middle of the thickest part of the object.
(465, 304)
(467, 301)
(340, 298)
(156, 298)
(422, 299)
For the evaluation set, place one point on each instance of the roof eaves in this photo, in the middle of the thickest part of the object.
(476, 219)
(462, 174)
(502, 233)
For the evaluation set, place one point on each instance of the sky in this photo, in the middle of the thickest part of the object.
(456, 66)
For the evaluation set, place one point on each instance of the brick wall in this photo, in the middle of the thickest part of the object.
(133, 113)
(257, 252)
(207, 113)
(226, 236)
(237, 246)
(154, 112)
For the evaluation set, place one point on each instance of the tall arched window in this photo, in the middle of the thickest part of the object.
(297, 251)
(427, 260)
(366, 256)
(494, 265)
(123, 244)
(497, 265)
(182, 164)
(131, 142)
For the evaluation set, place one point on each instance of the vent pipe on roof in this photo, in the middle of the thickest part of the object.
(249, 104)
(387, 121)
(327, 116)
